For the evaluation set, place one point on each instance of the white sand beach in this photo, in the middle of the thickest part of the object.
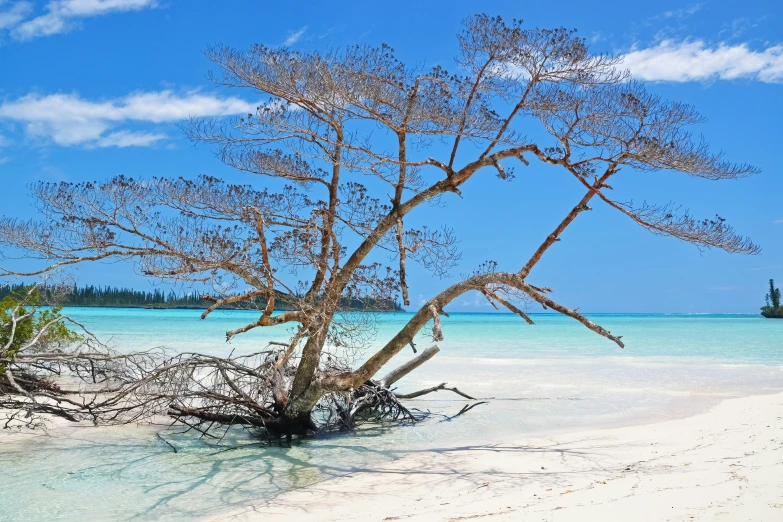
(725, 464)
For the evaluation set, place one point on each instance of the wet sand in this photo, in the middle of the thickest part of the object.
(725, 464)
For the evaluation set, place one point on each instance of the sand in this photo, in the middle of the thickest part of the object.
(726, 464)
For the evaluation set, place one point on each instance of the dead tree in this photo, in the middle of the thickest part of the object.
(52, 366)
(351, 142)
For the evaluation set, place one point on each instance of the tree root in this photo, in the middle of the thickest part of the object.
(372, 401)
(230, 401)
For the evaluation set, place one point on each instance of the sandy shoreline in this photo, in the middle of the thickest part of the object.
(725, 464)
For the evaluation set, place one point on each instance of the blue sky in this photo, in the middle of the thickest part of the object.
(94, 88)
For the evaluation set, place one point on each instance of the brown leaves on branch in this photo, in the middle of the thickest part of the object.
(623, 123)
(671, 220)
(354, 142)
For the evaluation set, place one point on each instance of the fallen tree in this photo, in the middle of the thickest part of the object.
(351, 143)
(52, 366)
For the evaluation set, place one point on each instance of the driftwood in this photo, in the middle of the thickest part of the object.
(441, 386)
(464, 410)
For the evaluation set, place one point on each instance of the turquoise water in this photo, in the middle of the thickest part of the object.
(727, 338)
(555, 375)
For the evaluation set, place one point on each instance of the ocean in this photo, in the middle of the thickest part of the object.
(552, 376)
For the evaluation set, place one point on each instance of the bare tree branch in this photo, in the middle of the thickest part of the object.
(348, 137)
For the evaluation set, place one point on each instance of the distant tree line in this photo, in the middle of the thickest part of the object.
(773, 308)
(115, 297)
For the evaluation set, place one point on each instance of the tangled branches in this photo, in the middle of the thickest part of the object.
(331, 122)
(371, 402)
(50, 369)
(206, 391)
(51, 365)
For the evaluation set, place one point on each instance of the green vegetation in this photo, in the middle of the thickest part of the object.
(773, 308)
(129, 298)
(22, 323)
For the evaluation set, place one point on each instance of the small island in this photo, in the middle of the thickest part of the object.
(773, 309)
(114, 297)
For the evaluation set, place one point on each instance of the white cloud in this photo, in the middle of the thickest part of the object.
(294, 37)
(14, 14)
(597, 36)
(61, 15)
(68, 119)
(129, 139)
(680, 14)
(695, 60)
(777, 222)
(166, 106)
(738, 27)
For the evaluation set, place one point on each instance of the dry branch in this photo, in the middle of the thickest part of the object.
(312, 244)
(400, 372)
(441, 386)
(464, 410)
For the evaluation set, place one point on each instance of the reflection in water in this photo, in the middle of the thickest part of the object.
(114, 474)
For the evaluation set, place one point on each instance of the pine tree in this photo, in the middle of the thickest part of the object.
(773, 308)
(773, 297)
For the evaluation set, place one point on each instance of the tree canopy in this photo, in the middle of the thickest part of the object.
(773, 308)
(351, 142)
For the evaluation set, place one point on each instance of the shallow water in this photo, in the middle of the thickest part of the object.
(555, 375)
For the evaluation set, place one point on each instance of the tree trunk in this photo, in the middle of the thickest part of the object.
(298, 414)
